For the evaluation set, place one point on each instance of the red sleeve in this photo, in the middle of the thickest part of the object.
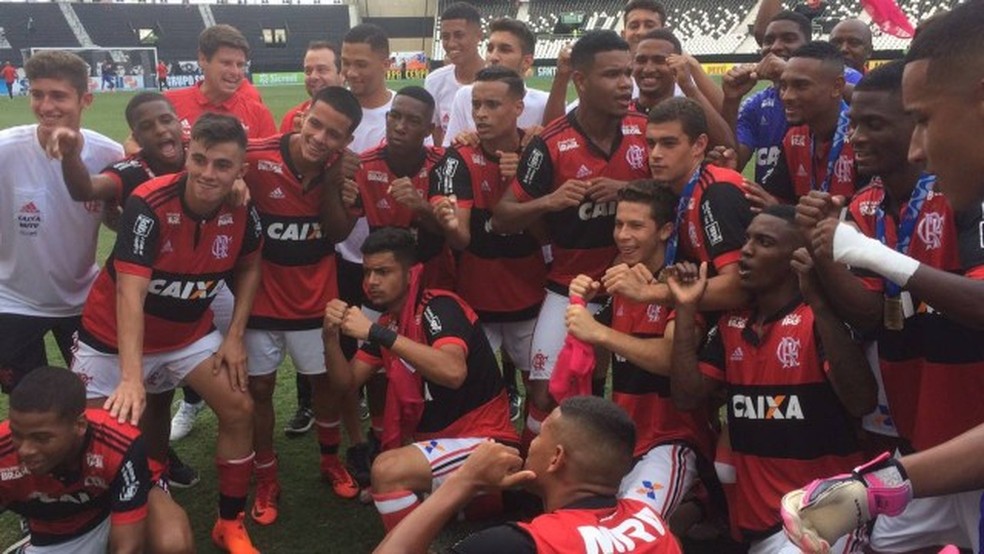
(287, 123)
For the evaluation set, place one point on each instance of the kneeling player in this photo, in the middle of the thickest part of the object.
(80, 477)
(445, 389)
(146, 325)
(640, 337)
(793, 376)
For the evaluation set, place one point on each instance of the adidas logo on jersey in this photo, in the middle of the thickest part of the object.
(485, 186)
(582, 172)
(29, 220)
(277, 194)
(383, 204)
(801, 172)
(737, 355)
(167, 248)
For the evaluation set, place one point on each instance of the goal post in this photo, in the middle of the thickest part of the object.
(117, 69)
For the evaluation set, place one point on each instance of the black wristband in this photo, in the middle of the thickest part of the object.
(383, 336)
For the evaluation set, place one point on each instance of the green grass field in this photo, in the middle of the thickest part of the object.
(312, 519)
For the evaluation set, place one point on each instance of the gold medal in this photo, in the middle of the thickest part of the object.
(894, 318)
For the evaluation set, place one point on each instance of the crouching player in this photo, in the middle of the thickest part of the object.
(147, 327)
(80, 477)
(445, 389)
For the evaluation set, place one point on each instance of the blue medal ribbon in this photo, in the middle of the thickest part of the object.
(907, 223)
(836, 147)
(674, 241)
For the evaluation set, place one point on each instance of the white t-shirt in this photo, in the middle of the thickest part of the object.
(370, 133)
(534, 104)
(442, 85)
(47, 240)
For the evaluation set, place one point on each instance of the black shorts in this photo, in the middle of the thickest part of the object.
(22, 344)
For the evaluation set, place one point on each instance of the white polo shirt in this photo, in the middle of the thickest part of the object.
(534, 104)
(47, 240)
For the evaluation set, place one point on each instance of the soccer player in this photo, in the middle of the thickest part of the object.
(80, 477)
(222, 55)
(943, 67)
(445, 390)
(108, 71)
(569, 177)
(464, 187)
(45, 277)
(461, 31)
(322, 68)
(290, 176)
(146, 325)
(575, 466)
(669, 441)
(394, 180)
(511, 44)
(853, 38)
(9, 74)
(710, 218)
(793, 377)
(815, 153)
(162, 71)
(760, 123)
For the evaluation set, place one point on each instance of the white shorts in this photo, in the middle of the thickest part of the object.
(515, 338)
(549, 334)
(661, 478)
(162, 371)
(96, 540)
(222, 305)
(445, 456)
(780, 544)
(266, 350)
(933, 521)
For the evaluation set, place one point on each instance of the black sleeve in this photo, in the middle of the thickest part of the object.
(535, 172)
(712, 351)
(444, 318)
(724, 215)
(496, 540)
(372, 349)
(130, 488)
(253, 234)
(451, 176)
(970, 239)
(138, 234)
(778, 182)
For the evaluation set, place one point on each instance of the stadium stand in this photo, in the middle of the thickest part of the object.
(177, 26)
(29, 25)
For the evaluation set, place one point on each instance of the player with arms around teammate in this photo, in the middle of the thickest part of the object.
(793, 377)
(80, 477)
(445, 390)
(569, 177)
(500, 275)
(575, 466)
(44, 277)
(288, 178)
(640, 337)
(147, 325)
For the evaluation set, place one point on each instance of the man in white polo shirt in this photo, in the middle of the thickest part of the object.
(47, 240)
(511, 45)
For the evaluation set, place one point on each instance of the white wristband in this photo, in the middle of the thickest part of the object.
(856, 250)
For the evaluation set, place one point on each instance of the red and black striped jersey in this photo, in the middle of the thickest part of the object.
(380, 209)
(109, 479)
(801, 169)
(581, 236)
(129, 173)
(644, 395)
(479, 407)
(184, 256)
(786, 423)
(714, 223)
(501, 276)
(299, 274)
